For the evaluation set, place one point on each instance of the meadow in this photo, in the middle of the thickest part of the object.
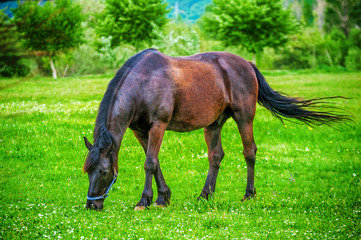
(308, 180)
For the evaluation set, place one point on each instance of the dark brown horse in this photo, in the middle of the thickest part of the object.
(153, 93)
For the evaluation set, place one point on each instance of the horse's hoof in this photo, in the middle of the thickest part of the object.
(248, 197)
(159, 205)
(203, 196)
(161, 202)
(139, 208)
(245, 198)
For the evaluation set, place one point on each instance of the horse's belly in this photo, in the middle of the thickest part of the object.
(196, 114)
(186, 126)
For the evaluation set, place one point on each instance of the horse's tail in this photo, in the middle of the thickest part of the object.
(307, 111)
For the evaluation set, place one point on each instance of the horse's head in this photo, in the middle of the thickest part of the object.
(102, 173)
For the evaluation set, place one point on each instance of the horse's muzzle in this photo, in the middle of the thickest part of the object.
(94, 205)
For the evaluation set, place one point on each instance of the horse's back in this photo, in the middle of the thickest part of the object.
(191, 92)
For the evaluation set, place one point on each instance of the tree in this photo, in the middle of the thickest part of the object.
(308, 12)
(11, 53)
(253, 24)
(49, 29)
(343, 14)
(131, 22)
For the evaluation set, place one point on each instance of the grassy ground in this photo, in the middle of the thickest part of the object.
(307, 179)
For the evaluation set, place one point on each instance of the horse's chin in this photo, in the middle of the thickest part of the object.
(96, 205)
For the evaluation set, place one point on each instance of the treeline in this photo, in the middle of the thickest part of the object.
(68, 38)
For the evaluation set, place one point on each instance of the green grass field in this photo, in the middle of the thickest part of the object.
(308, 180)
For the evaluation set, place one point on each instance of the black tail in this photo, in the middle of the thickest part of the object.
(283, 106)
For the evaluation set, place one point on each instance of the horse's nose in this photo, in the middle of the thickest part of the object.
(91, 206)
(94, 205)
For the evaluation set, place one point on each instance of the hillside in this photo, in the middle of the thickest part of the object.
(189, 10)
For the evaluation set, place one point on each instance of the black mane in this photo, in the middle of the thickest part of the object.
(102, 137)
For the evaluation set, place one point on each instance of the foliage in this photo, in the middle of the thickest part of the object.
(353, 59)
(335, 45)
(343, 14)
(250, 23)
(91, 9)
(53, 27)
(131, 22)
(95, 56)
(308, 12)
(354, 39)
(177, 39)
(115, 30)
(310, 49)
(308, 180)
(300, 52)
(11, 53)
(49, 29)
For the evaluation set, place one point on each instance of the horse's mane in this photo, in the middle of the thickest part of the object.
(102, 136)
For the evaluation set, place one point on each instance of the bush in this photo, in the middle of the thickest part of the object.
(87, 60)
(15, 69)
(353, 59)
(333, 49)
(300, 52)
(310, 49)
(177, 39)
(354, 39)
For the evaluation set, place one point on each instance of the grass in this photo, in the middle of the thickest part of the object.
(307, 179)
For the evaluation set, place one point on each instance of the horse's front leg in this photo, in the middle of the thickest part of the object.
(152, 168)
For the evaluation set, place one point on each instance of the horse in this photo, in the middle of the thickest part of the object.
(153, 92)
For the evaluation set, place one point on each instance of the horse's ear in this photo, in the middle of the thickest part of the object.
(87, 144)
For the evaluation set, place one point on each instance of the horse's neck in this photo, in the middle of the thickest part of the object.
(119, 118)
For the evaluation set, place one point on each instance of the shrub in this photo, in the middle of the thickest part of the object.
(300, 52)
(353, 59)
(333, 49)
(177, 39)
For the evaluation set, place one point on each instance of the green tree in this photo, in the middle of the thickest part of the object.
(253, 24)
(11, 53)
(131, 22)
(308, 12)
(50, 29)
(343, 14)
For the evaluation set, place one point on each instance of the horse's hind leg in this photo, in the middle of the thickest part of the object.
(212, 135)
(152, 167)
(245, 128)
